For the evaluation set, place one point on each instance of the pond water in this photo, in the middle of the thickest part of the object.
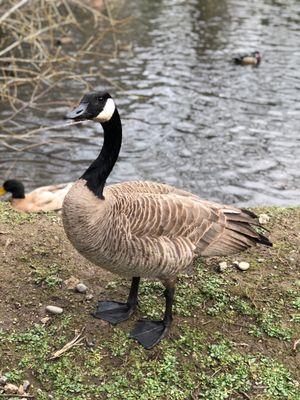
(191, 117)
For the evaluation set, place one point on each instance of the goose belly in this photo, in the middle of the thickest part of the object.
(114, 251)
(144, 257)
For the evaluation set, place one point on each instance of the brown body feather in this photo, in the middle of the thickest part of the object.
(152, 230)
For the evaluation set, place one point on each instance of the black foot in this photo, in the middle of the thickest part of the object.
(113, 312)
(149, 333)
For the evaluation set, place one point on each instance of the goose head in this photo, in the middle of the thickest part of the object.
(16, 188)
(97, 106)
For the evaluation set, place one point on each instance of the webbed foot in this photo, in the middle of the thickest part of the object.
(149, 333)
(113, 311)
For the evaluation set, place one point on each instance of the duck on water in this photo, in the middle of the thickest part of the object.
(144, 229)
(253, 58)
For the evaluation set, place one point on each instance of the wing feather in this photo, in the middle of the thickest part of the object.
(178, 224)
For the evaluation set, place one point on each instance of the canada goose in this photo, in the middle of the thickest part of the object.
(45, 198)
(248, 59)
(144, 229)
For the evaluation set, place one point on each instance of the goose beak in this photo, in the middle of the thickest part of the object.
(79, 113)
(2, 191)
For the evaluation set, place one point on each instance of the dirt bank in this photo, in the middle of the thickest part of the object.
(233, 333)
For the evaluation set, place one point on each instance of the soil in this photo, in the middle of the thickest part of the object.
(36, 259)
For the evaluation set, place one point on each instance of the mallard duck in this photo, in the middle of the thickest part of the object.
(46, 198)
(144, 229)
(248, 59)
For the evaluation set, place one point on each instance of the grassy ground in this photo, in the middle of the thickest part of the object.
(233, 333)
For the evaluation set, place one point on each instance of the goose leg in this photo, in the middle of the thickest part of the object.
(115, 312)
(148, 333)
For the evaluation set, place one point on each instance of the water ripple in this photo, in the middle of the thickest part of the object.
(191, 118)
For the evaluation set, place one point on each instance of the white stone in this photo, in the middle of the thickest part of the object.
(9, 388)
(81, 288)
(54, 310)
(223, 266)
(263, 219)
(45, 320)
(243, 265)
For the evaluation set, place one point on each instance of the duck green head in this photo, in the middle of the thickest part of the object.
(16, 188)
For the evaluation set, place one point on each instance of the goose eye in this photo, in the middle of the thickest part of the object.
(99, 98)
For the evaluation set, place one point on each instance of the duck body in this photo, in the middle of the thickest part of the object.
(45, 198)
(248, 59)
(144, 229)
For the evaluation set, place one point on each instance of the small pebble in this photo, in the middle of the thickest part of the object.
(223, 266)
(44, 321)
(81, 288)
(90, 343)
(3, 380)
(21, 390)
(243, 266)
(9, 388)
(54, 309)
(26, 385)
(89, 296)
(71, 282)
(263, 219)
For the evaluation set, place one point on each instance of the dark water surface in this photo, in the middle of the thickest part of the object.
(190, 117)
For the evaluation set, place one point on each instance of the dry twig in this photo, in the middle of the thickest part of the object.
(296, 343)
(74, 342)
(37, 62)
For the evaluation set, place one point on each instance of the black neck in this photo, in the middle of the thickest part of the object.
(17, 191)
(18, 194)
(99, 170)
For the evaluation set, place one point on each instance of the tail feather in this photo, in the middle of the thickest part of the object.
(242, 228)
(250, 213)
(264, 240)
(246, 227)
(237, 60)
(237, 234)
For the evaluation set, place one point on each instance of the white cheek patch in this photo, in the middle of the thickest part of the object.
(107, 112)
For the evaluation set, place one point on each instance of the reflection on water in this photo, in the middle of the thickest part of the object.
(191, 118)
